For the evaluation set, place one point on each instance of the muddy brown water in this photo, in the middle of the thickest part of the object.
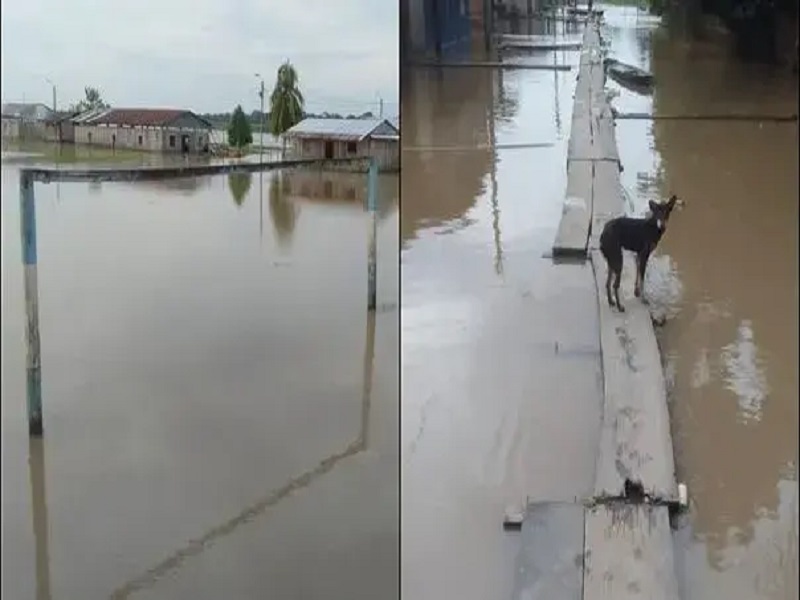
(221, 415)
(500, 358)
(726, 275)
(481, 426)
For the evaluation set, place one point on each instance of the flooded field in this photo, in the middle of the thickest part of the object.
(492, 331)
(727, 276)
(220, 412)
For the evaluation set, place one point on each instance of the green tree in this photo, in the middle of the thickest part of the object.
(239, 132)
(286, 102)
(239, 184)
(92, 100)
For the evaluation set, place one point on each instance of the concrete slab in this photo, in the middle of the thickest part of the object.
(580, 146)
(550, 562)
(607, 199)
(629, 553)
(539, 44)
(573, 229)
(635, 440)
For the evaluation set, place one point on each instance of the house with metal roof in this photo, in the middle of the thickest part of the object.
(146, 129)
(345, 138)
(25, 120)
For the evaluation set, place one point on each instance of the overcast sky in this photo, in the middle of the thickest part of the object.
(201, 54)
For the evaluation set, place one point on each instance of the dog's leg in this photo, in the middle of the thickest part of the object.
(609, 275)
(641, 267)
(617, 277)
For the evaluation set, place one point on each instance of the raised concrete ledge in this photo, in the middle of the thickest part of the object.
(635, 440)
(607, 199)
(628, 545)
(593, 141)
(571, 238)
(156, 173)
(629, 554)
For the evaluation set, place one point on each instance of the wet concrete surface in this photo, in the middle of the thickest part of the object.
(726, 275)
(220, 412)
(500, 361)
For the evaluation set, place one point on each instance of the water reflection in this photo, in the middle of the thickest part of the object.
(174, 391)
(731, 346)
(283, 211)
(479, 205)
(239, 186)
(448, 107)
(203, 542)
(41, 527)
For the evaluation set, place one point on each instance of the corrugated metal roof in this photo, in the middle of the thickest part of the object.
(32, 111)
(134, 117)
(340, 129)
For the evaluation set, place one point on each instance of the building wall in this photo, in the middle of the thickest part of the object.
(62, 131)
(446, 22)
(10, 129)
(148, 139)
(387, 152)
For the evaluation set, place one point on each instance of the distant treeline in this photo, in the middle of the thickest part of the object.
(221, 120)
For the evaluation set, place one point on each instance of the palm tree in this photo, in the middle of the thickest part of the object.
(286, 102)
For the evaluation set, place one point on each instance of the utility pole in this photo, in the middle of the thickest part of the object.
(261, 134)
(261, 163)
(380, 107)
(55, 108)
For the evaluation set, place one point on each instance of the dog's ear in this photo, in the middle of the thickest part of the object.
(672, 200)
(653, 206)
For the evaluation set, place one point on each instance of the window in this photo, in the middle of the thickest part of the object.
(172, 141)
(140, 140)
(352, 147)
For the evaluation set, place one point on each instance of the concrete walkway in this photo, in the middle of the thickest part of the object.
(617, 544)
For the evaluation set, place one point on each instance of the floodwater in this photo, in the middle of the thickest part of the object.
(726, 275)
(500, 378)
(500, 351)
(221, 414)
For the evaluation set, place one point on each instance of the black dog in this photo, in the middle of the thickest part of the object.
(637, 235)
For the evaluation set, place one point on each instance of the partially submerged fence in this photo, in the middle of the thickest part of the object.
(31, 175)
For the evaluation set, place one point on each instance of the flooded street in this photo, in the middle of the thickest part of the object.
(727, 276)
(220, 412)
(492, 331)
(492, 411)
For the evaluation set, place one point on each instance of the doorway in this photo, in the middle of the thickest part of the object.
(185, 144)
(328, 150)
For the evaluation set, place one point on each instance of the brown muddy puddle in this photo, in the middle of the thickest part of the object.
(727, 274)
(491, 330)
(220, 412)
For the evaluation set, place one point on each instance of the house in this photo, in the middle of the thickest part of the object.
(25, 120)
(344, 138)
(147, 129)
(10, 127)
(60, 128)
